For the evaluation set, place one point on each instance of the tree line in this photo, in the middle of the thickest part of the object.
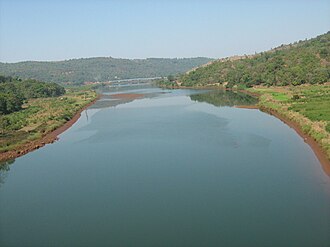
(100, 69)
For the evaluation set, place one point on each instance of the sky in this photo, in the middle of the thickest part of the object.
(64, 29)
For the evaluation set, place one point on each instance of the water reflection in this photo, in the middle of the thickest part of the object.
(4, 169)
(108, 101)
(111, 97)
(114, 99)
(225, 98)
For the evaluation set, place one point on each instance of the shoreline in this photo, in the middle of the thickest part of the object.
(314, 145)
(51, 137)
(48, 138)
(127, 96)
(255, 95)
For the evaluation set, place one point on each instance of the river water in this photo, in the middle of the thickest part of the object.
(169, 168)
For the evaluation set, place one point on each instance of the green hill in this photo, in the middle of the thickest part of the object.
(294, 64)
(99, 69)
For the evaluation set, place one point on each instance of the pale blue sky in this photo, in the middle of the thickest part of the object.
(64, 29)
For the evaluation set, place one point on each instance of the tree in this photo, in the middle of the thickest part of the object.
(170, 78)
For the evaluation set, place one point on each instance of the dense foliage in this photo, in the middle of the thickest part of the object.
(99, 69)
(13, 92)
(299, 63)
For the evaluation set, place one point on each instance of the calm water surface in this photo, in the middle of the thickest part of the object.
(175, 168)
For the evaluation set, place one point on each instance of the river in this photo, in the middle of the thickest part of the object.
(168, 168)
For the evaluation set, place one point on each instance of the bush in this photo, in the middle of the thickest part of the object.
(327, 127)
(295, 97)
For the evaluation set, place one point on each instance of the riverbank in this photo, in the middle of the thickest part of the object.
(127, 96)
(36, 135)
(316, 147)
(304, 108)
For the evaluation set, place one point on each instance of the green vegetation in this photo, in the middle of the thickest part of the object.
(99, 69)
(13, 92)
(280, 96)
(167, 82)
(313, 103)
(306, 105)
(295, 64)
(40, 116)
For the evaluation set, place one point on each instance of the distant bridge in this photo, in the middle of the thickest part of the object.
(136, 79)
(131, 82)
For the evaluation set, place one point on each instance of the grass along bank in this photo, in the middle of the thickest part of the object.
(28, 129)
(305, 106)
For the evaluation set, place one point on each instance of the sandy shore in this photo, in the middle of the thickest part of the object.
(128, 96)
(247, 106)
(48, 138)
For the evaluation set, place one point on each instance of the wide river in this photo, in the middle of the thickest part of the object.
(168, 168)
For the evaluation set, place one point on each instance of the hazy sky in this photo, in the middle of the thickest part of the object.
(64, 29)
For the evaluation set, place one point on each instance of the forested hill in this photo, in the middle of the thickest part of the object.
(302, 62)
(100, 69)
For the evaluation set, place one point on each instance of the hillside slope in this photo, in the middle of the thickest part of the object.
(99, 69)
(303, 62)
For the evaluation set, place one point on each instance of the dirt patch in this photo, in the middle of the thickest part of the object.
(247, 106)
(130, 96)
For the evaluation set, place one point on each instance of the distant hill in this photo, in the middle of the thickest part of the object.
(99, 69)
(302, 62)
